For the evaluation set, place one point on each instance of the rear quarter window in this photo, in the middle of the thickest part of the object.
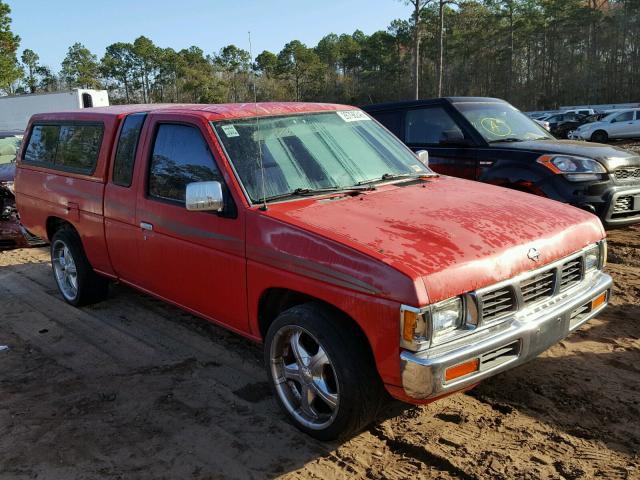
(67, 147)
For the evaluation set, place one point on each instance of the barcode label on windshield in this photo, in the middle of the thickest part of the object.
(230, 131)
(353, 115)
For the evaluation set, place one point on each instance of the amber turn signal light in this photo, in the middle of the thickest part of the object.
(599, 300)
(410, 319)
(462, 369)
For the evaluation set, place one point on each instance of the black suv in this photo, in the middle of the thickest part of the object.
(489, 140)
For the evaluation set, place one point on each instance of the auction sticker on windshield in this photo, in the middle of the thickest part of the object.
(353, 115)
(230, 131)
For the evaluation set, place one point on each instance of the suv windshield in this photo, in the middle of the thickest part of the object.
(9, 147)
(501, 122)
(313, 152)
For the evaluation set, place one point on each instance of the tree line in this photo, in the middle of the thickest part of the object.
(535, 53)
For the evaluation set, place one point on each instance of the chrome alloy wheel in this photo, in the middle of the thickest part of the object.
(64, 269)
(304, 377)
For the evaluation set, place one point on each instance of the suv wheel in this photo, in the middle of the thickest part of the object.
(322, 375)
(599, 136)
(76, 280)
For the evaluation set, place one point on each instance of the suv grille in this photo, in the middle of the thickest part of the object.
(571, 273)
(497, 303)
(626, 174)
(623, 204)
(538, 287)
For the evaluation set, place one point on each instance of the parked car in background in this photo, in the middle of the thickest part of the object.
(624, 124)
(560, 124)
(581, 111)
(544, 124)
(489, 140)
(311, 228)
(12, 233)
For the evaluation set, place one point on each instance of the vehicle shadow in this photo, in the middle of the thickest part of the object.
(587, 386)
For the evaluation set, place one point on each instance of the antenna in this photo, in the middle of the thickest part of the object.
(255, 102)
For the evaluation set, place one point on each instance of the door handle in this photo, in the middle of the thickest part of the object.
(146, 226)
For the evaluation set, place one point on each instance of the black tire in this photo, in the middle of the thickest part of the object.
(359, 388)
(91, 287)
(600, 136)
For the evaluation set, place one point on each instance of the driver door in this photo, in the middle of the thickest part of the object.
(434, 129)
(622, 125)
(192, 258)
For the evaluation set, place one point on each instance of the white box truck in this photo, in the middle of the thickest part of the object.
(16, 110)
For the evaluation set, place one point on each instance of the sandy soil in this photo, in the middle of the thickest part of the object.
(134, 389)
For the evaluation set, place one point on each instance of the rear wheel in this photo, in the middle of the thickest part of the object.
(321, 372)
(599, 136)
(76, 280)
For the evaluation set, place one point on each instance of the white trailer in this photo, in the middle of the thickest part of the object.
(16, 110)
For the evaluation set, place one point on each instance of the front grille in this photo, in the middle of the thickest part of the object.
(499, 356)
(578, 314)
(497, 303)
(571, 273)
(623, 204)
(538, 287)
(626, 174)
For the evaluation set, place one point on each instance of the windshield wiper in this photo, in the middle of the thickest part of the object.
(396, 176)
(301, 192)
(507, 140)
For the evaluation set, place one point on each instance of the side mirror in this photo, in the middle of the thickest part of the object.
(454, 137)
(423, 156)
(204, 196)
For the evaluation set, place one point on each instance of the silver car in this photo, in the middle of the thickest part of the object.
(620, 124)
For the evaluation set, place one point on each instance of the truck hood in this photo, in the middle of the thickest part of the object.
(454, 235)
(611, 157)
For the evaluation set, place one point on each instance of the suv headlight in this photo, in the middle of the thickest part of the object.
(575, 169)
(435, 324)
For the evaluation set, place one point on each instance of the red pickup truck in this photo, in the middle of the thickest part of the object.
(311, 228)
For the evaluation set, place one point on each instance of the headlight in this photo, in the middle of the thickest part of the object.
(595, 257)
(575, 169)
(435, 324)
(592, 258)
(446, 317)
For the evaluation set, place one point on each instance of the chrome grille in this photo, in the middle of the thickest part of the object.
(627, 173)
(578, 314)
(497, 303)
(571, 273)
(623, 204)
(538, 287)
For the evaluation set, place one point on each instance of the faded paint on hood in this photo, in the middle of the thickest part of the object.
(455, 234)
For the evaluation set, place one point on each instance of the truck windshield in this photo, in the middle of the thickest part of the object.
(501, 122)
(314, 152)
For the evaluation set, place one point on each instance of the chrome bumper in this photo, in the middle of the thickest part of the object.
(515, 341)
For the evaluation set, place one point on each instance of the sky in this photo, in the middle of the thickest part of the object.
(50, 27)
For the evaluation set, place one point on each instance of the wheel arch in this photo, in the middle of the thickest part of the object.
(275, 300)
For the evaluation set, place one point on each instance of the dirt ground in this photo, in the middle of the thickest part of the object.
(135, 389)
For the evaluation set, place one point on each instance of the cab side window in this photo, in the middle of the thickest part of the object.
(624, 117)
(180, 156)
(430, 126)
(391, 120)
(126, 150)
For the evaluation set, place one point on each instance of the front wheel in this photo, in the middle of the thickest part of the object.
(599, 136)
(321, 372)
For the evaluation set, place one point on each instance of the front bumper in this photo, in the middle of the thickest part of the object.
(576, 135)
(623, 207)
(517, 340)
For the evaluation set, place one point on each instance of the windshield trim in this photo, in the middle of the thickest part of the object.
(258, 202)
